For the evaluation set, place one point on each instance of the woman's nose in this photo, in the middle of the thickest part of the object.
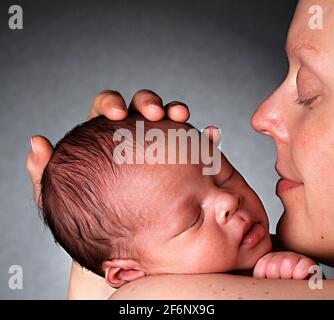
(270, 116)
(268, 119)
(226, 206)
(263, 119)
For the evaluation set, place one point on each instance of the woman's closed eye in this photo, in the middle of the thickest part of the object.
(308, 87)
(306, 102)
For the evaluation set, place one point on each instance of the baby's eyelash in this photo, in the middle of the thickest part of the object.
(306, 102)
(199, 216)
(230, 176)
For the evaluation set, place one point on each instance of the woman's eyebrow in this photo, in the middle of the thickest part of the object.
(294, 50)
(309, 56)
(310, 60)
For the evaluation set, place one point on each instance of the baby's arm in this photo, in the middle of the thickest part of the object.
(283, 265)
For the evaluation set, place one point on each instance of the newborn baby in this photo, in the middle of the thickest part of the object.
(125, 221)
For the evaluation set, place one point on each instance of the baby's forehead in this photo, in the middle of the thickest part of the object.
(145, 184)
(163, 181)
(165, 175)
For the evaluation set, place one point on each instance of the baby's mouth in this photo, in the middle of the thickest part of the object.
(253, 235)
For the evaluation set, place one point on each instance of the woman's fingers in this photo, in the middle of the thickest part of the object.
(177, 111)
(109, 103)
(36, 161)
(147, 103)
(213, 133)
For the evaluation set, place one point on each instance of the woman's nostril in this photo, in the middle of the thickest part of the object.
(227, 213)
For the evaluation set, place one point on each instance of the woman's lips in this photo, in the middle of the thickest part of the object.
(283, 185)
(253, 236)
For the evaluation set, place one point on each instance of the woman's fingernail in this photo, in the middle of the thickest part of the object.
(32, 144)
(117, 109)
(153, 109)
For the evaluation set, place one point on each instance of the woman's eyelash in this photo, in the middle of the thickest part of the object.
(306, 102)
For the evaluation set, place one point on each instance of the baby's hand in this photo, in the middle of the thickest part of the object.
(283, 265)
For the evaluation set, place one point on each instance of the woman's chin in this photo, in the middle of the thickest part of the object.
(287, 236)
(302, 237)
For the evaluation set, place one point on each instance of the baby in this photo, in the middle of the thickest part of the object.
(127, 220)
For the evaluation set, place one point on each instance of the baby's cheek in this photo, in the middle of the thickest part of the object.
(211, 254)
(254, 205)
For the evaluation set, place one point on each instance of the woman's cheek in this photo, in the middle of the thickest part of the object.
(312, 137)
(301, 149)
(313, 156)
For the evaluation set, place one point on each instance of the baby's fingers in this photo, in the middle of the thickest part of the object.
(302, 268)
(260, 269)
(288, 266)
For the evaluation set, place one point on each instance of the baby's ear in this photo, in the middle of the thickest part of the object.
(120, 271)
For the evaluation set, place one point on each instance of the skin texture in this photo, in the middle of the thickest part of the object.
(219, 287)
(299, 116)
(195, 223)
(301, 130)
(198, 229)
(84, 285)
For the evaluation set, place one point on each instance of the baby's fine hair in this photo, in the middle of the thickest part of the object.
(83, 202)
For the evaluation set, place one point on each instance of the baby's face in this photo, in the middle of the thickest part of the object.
(198, 223)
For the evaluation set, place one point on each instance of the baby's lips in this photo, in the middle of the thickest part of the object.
(253, 236)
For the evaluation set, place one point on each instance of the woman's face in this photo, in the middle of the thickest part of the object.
(299, 116)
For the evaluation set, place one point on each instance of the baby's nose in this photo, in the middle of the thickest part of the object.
(227, 206)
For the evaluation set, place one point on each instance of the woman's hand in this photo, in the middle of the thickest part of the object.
(110, 104)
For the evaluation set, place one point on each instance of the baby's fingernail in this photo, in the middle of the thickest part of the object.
(32, 144)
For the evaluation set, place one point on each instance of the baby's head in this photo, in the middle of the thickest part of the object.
(125, 221)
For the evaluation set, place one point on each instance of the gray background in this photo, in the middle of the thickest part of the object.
(220, 57)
